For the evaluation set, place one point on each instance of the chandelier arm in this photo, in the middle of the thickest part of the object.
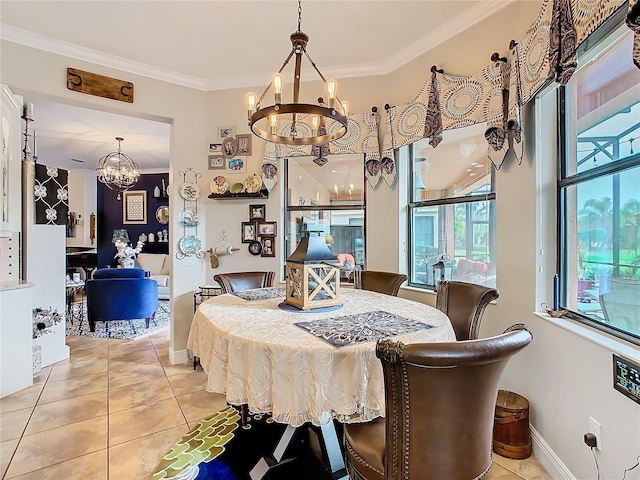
(286, 62)
(313, 64)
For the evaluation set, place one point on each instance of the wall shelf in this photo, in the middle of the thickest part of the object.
(229, 196)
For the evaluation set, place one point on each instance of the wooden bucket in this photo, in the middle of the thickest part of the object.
(511, 433)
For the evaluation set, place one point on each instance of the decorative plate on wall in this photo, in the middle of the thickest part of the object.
(189, 217)
(219, 184)
(189, 191)
(255, 248)
(190, 245)
(253, 183)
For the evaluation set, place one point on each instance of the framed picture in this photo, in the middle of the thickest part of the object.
(217, 162)
(267, 229)
(248, 232)
(268, 246)
(236, 165)
(229, 147)
(255, 248)
(215, 148)
(134, 207)
(257, 212)
(226, 132)
(244, 144)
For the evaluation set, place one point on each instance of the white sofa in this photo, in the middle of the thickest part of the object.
(158, 264)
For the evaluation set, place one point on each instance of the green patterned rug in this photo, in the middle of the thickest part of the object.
(218, 448)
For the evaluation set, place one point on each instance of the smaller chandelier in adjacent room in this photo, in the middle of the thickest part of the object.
(298, 123)
(117, 170)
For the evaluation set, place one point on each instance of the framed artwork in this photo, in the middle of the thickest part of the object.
(236, 165)
(268, 246)
(255, 248)
(244, 144)
(217, 162)
(215, 148)
(226, 132)
(257, 212)
(267, 229)
(248, 234)
(229, 147)
(134, 207)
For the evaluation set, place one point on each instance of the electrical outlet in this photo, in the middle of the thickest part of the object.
(596, 429)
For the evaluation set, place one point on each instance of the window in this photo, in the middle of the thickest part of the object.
(329, 199)
(452, 208)
(599, 188)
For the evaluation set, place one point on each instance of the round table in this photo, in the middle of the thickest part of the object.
(253, 352)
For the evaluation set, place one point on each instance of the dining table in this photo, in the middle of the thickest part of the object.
(306, 366)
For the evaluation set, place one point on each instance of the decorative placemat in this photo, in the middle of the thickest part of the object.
(266, 293)
(362, 327)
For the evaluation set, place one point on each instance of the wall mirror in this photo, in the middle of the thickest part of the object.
(162, 214)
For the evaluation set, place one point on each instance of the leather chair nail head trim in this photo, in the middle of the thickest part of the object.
(440, 406)
(381, 282)
(239, 281)
(464, 304)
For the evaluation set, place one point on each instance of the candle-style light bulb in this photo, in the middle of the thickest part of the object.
(251, 100)
(273, 123)
(332, 91)
(345, 108)
(315, 123)
(276, 81)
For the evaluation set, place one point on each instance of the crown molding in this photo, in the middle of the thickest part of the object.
(439, 35)
(58, 47)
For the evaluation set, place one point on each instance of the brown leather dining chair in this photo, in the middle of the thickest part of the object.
(464, 304)
(381, 282)
(439, 413)
(238, 281)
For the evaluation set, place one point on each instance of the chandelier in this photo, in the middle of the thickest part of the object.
(300, 123)
(117, 170)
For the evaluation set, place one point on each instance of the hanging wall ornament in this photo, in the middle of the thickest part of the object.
(562, 42)
(433, 121)
(51, 195)
(372, 172)
(633, 22)
(388, 171)
(496, 132)
(320, 151)
(514, 116)
(269, 166)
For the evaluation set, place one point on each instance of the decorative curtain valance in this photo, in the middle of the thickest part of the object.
(633, 22)
(51, 195)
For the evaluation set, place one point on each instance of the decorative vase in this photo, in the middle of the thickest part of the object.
(37, 359)
(128, 262)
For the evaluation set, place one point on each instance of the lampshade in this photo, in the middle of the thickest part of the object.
(120, 234)
(298, 123)
(117, 170)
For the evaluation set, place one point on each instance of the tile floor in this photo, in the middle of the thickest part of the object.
(114, 408)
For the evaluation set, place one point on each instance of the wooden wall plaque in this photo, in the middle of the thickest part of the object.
(99, 85)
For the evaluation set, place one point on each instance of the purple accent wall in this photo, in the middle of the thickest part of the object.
(109, 217)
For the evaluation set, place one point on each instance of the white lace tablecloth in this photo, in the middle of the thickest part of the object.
(253, 353)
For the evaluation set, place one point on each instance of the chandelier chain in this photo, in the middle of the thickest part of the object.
(299, 14)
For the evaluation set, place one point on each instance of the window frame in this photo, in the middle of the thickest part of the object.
(565, 181)
(464, 199)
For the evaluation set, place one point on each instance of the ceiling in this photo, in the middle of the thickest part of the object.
(207, 45)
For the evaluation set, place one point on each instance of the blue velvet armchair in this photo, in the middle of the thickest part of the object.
(120, 294)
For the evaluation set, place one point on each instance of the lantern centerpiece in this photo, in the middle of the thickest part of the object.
(312, 274)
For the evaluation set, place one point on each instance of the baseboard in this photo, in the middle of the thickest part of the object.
(548, 458)
(178, 356)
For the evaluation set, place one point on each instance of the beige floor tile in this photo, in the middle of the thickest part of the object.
(138, 394)
(529, 468)
(144, 420)
(12, 424)
(180, 369)
(498, 472)
(200, 404)
(68, 411)
(149, 450)
(46, 448)
(42, 376)
(192, 381)
(73, 387)
(124, 373)
(143, 356)
(6, 452)
(118, 347)
(90, 366)
(88, 467)
(27, 397)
